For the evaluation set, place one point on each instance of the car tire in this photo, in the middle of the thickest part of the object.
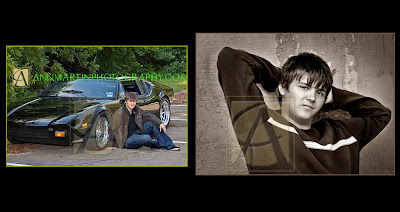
(98, 137)
(164, 111)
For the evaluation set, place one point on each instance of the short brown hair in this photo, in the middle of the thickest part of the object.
(316, 68)
(131, 95)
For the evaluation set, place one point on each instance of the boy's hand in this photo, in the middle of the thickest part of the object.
(111, 148)
(162, 127)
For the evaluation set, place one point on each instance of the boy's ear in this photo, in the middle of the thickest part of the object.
(282, 91)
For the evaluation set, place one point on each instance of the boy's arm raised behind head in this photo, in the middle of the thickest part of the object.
(369, 117)
(239, 71)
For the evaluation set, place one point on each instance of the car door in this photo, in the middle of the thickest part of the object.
(119, 99)
(150, 101)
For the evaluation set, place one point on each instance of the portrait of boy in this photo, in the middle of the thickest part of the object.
(289, 140)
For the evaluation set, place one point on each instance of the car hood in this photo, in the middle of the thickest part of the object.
(43, 111)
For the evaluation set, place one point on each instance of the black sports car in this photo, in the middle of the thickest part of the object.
(68, 112)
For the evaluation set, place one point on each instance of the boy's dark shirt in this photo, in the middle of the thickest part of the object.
(271, 144)
(132, 124)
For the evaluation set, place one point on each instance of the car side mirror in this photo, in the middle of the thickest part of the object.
(121, 97)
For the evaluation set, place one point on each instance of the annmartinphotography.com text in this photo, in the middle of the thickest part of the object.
(109, 77)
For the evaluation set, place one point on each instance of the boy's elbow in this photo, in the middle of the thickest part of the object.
(225, 53)
(225, 56)
(384, 118)
(227, 62)
(388, 116)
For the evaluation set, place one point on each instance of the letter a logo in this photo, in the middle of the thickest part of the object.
(20, 77)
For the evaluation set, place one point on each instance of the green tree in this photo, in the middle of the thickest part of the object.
(88, 60)
(47, 60)
(141, 60)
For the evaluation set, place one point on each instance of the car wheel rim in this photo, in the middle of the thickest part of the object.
(102, 132)
(165, 113)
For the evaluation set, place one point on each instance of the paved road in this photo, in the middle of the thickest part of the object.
(49, 155)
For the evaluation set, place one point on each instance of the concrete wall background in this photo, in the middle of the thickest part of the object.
(362, 63)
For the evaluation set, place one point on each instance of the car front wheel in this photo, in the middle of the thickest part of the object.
(97, 138)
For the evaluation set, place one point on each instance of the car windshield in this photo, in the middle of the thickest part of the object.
(87, 88)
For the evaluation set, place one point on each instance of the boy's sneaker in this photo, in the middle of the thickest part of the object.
(175, 148)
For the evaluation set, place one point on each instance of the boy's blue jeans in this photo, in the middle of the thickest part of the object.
(136, 141)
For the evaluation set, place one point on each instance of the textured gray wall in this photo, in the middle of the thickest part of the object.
(363, 63)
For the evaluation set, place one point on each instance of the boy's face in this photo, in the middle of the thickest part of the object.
(304, 100)
(130, 104)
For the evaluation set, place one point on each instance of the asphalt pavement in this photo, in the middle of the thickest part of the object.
(76, 155)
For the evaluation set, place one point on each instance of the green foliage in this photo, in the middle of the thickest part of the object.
(47, 60)
(142, 60)
(176, 85)
(88, 60)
